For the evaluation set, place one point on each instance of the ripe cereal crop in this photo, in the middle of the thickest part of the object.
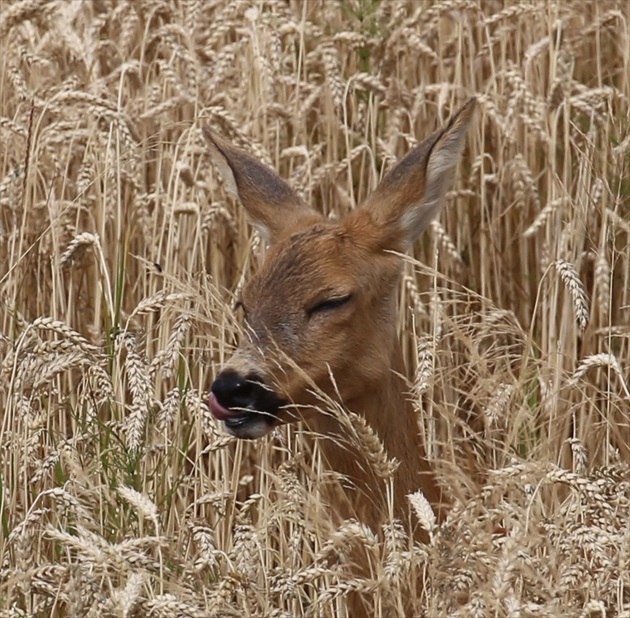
(122, 256)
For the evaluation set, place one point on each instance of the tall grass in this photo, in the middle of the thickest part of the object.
(120, 257)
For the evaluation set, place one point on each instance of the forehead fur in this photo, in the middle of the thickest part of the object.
(319, 252)
(325, 256)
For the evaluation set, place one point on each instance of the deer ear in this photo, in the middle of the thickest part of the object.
(411, 194)
(272, 205)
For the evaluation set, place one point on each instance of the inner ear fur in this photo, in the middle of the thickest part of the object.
(412, 193)
(272, 206)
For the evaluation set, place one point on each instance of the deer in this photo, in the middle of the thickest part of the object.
(321, 316)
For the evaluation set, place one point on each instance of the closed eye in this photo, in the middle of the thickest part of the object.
(328, 305)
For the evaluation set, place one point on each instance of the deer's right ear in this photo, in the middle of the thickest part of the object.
(272, 205)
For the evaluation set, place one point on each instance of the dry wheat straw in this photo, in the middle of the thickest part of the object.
(127, 599)
(580, 456)
(425, 366)
(411, 287)
(572, 281)
(601, 360)
(168, 606)
(101, 149)
(496, 410)
(603, 277)
(143, 505)
(423, 510)
(543, 216)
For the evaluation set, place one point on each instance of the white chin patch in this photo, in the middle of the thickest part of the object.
(254, 428)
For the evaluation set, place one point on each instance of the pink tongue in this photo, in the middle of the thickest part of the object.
(218, 411)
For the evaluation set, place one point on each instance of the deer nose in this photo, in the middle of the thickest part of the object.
(235, 391)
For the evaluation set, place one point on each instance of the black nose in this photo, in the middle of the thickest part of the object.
(245, 392)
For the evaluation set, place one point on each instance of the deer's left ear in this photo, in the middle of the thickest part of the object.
(411, 194)
(272, 205)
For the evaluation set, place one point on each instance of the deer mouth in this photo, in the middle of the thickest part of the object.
(243, 423)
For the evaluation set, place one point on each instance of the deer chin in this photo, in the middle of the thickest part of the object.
(250, 426)
(243, 424)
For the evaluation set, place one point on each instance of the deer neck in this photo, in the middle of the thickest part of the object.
(389, 412)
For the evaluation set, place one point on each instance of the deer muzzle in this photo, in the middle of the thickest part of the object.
(247, 405)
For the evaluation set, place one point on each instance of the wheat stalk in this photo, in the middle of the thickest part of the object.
(106, 362)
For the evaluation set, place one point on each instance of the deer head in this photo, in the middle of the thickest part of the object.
(321, 312)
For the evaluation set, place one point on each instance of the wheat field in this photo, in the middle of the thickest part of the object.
(121, 257)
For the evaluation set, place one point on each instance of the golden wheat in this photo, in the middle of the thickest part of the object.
(120, 257)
